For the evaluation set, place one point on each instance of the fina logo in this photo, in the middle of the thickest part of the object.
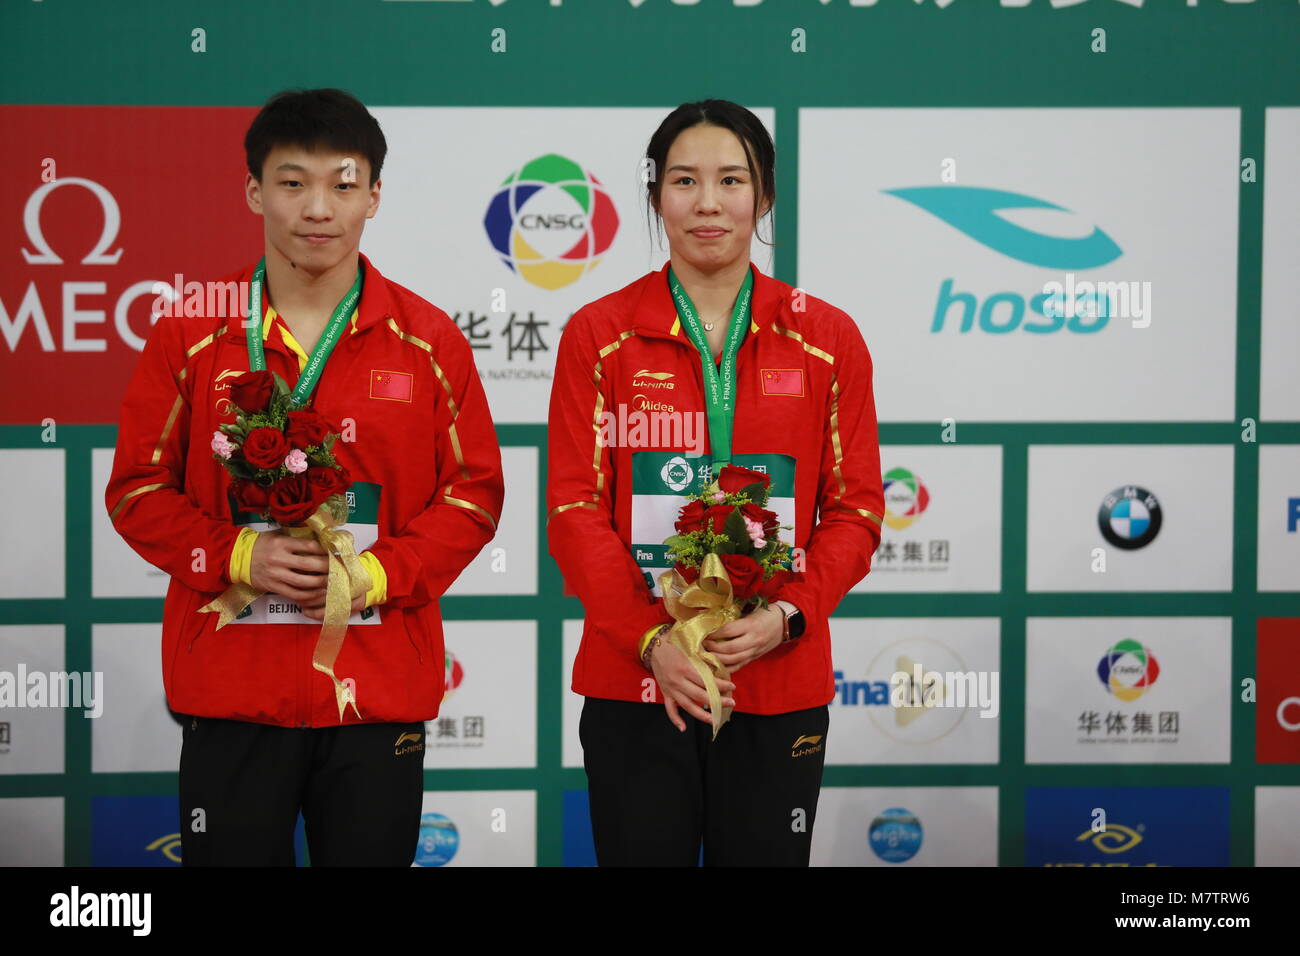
(973, 211)
(551, 221)
(1130, 517)
(439, 841)
(895, 835)
(1128, 670)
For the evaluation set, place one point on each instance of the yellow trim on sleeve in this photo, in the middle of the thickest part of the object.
(378, 592)
(645, 639)
(241, 557)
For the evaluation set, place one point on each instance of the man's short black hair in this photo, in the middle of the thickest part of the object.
(315, 119)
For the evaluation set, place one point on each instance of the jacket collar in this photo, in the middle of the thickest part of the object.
(656, 313)
(375, 305)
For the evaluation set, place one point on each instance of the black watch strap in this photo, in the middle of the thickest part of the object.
(796, 623)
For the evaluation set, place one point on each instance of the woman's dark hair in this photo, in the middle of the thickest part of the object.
(754, 139)
(315, 119)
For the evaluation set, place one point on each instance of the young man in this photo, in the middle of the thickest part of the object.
(263, 736)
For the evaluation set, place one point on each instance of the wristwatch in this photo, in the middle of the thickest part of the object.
(794, 620)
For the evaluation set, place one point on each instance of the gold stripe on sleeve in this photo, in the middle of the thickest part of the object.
(131, 494)
(462, 503)
(810, 349)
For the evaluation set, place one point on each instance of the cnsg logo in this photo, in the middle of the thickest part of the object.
(895, 835)
(452, 676)
(31, 311)
(1130, 517)
(677, 473)
(1128, 670)
(975, 212)
(906, 498)
(551, 221)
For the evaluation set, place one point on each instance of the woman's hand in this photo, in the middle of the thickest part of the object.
(746, 639)
(682, 686)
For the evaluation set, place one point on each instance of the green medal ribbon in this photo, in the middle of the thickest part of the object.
(719, 386)
(316, 364)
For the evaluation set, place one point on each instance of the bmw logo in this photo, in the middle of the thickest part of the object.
(1130, 517)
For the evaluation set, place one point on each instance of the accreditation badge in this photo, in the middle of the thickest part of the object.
(660, 479)
(363, 523)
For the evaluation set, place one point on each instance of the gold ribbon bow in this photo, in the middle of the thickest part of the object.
(348, 578)
(699, 609)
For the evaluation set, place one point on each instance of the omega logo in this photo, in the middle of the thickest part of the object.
(31, 310)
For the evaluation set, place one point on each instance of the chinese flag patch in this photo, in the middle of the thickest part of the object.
(783, 381)
(395, 386)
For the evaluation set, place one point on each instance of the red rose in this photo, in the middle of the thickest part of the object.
(733, 478)
(291, 501)
(326, 481)
(265, 448)
(716, 518)
(306, 427)
(771, 587)
(745, 574)
(767, 519)
(691, 517)
(252, 391)
(689, 575)
(250, 496)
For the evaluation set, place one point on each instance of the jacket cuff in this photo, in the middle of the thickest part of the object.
(378, 592)
(645, 640)
(241, 557)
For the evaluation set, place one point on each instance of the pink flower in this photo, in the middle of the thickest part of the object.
(755, 530)
(718, 496)
(221, 445)
(296, 461)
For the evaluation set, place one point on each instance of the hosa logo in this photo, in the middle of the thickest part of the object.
(1080, 307)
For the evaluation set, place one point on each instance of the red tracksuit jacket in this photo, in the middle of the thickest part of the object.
(425, 448)
(804, 413)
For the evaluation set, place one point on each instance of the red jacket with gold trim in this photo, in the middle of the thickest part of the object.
(625, 443)
(423, 454)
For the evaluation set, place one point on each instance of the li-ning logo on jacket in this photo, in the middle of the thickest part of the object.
(414, 742)
(648, 379)
(224, 405)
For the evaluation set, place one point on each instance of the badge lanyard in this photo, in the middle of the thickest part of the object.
(316, 364)
(719, 385)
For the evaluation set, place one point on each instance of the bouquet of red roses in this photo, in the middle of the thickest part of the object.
(728, 557)
(281, 467)
(279, 457)
(729, 518)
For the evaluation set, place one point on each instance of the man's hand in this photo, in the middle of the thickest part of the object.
(297, 568)
(746, 639)
(682, 687)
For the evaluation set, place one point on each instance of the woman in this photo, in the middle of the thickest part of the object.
(627, 415)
